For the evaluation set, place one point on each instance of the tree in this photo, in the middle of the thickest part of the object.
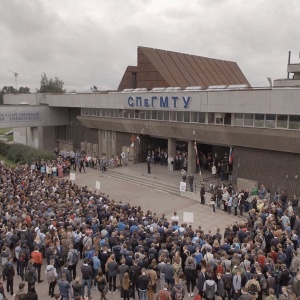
(55, 86)
(24, 90)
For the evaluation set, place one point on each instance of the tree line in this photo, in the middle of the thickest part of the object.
(47, 85)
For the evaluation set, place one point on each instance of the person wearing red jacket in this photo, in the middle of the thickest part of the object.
(37, 258)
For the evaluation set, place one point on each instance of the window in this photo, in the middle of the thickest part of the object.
(270, 121)
(64, 133)
(102, 112)
(117, 113)
(248, 119)
(166, 115)
(136, 114)
(294, 122)
(180, 116)
(201, 117)
(238, 120)
(104, 133)
(172, 115)
(282, 121)
(142, 114)
(186, 116)
(131, 114)
(211, 118)
(113, 136)
(194, 117)
(98, 112)
(160, 115)
(227, 119)
(259, 120)
(90, 111)
(148, 114)
(154, 115)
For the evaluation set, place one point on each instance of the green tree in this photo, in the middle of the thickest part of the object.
(55, 86)
(24, 90)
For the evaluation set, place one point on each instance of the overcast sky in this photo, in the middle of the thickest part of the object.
(91, 42)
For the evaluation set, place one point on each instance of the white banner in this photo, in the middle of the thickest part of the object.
(97, 185)
(72, 176)
(188, 217)
(182, 186)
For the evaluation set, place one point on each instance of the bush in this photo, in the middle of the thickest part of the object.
(19, 153)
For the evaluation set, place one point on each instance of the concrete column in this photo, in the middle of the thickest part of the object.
(191, 158)
(171, 147)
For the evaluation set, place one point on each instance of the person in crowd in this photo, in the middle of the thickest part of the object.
(102, 285)
(52, 276)
(64, 287)
(52, 217)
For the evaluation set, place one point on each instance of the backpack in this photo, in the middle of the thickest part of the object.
(74, 258)
(210, 291)
(27, 274)
(22, 257)
(178, 293)
(219, 269)
(5, 270)
(50, 275)
(262, 282)
(133, 276)
(163, 295)
(253, 289)
(117, 252)
(227, 282)
(277, 276)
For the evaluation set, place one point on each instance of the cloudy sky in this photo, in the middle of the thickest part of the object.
(90, 42)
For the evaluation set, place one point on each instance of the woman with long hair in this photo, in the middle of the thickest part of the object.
(102, 285)
(126, 286)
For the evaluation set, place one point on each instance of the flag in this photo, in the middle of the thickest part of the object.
(195, 147)
(196, 150)
(132, 138)
(231, 155)
(132, 145)
(138, 138)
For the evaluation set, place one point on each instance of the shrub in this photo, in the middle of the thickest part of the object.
(19, 153)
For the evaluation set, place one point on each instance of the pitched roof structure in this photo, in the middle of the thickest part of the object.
(161, 68)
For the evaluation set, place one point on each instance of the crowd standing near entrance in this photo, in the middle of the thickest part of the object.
(91, 242)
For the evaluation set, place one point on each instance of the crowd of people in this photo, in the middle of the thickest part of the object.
(89, 241)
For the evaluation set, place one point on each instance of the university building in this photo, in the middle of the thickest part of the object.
(171, 99)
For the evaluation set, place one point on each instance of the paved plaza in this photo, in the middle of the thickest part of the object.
(133, 184)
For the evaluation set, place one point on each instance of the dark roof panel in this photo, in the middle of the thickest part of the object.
(184, 70)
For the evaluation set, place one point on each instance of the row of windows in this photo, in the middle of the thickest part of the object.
(249, 120)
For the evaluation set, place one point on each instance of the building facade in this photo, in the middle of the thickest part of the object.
(185, 99)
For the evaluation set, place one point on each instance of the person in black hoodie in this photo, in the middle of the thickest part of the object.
(9, 274)
(190, 276)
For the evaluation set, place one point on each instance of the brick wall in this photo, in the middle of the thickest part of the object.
(276, 170)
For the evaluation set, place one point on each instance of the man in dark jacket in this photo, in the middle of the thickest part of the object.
(87, 275)
(142, 284)
(64, 287)
(201, 280)
(134, 273)
(9, 274)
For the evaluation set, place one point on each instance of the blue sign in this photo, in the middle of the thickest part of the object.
(159, 101)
